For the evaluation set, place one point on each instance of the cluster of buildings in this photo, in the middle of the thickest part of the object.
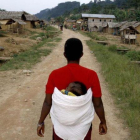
(16, 22)
(128, 31)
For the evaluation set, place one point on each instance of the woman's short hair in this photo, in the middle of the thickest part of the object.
(73, 49)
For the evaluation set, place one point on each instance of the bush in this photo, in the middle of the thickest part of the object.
(134, 55)
(112, 48)
(123, 81)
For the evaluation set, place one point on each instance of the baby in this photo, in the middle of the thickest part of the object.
(75, 89)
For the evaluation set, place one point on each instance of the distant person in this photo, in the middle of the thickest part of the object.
(72, 116)
(41, 24)
(61, 27)
(65, 26)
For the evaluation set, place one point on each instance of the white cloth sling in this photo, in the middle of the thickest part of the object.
(72, 115)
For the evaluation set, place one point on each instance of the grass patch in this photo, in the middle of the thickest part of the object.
(133, 55)
(94, 36)
(39, 35)
(31, 32)
(2, 34)
(27, 59)
(51, 44)
(58, 39)
(112, 48)
(49, 32)
(51, 28)
(124, 83)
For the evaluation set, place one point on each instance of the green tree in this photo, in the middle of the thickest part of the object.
(95, 9)
(59, 19)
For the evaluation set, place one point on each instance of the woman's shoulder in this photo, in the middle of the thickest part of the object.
(90, 71)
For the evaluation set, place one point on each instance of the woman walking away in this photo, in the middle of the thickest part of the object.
(72, 116)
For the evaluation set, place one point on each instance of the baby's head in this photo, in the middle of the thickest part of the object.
(77, 88)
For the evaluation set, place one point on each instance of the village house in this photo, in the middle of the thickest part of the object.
(79, 24)
(129, 33)
(69, 22)
(52, 21)
(95, 21)
(16, 21)
(30, 21)
(12, 21)
(109, 27)
(79, 21)
(137, 27)
(45, 22)
(117, 27)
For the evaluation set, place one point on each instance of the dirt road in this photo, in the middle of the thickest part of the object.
(21, 98)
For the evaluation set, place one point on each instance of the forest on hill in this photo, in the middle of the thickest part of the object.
(58, 10)
(123, 10)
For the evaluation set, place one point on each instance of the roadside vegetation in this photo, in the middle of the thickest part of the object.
(26, 59)
(123, 80)
(2, 34)
(94, 36)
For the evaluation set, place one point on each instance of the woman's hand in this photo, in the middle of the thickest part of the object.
(102, 129)
(40, 130)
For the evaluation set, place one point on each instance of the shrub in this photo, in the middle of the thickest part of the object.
(134, 55)
(112, 48)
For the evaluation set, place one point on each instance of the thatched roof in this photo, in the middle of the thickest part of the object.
(11, 14)
(98, 16)
(46, 22)
(31, 18)
(120, 24)
(70, 21)
(127, 25)
(136, 24)
(111, 24)
(130, 28)
(19, 21)
(5, 15)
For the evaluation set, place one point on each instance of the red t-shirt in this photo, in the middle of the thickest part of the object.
(72, 72)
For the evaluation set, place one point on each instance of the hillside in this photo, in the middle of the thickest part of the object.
(123, 10)
(58, 10)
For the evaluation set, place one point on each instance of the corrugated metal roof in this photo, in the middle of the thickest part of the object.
(98, 16)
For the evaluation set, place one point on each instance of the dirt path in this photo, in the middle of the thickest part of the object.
(18, 119)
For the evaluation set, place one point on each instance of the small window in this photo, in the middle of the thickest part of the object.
(110, 21)
(93, 20)
(100, 20)
(105, 20)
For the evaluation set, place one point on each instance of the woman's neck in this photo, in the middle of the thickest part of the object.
(76, 62)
